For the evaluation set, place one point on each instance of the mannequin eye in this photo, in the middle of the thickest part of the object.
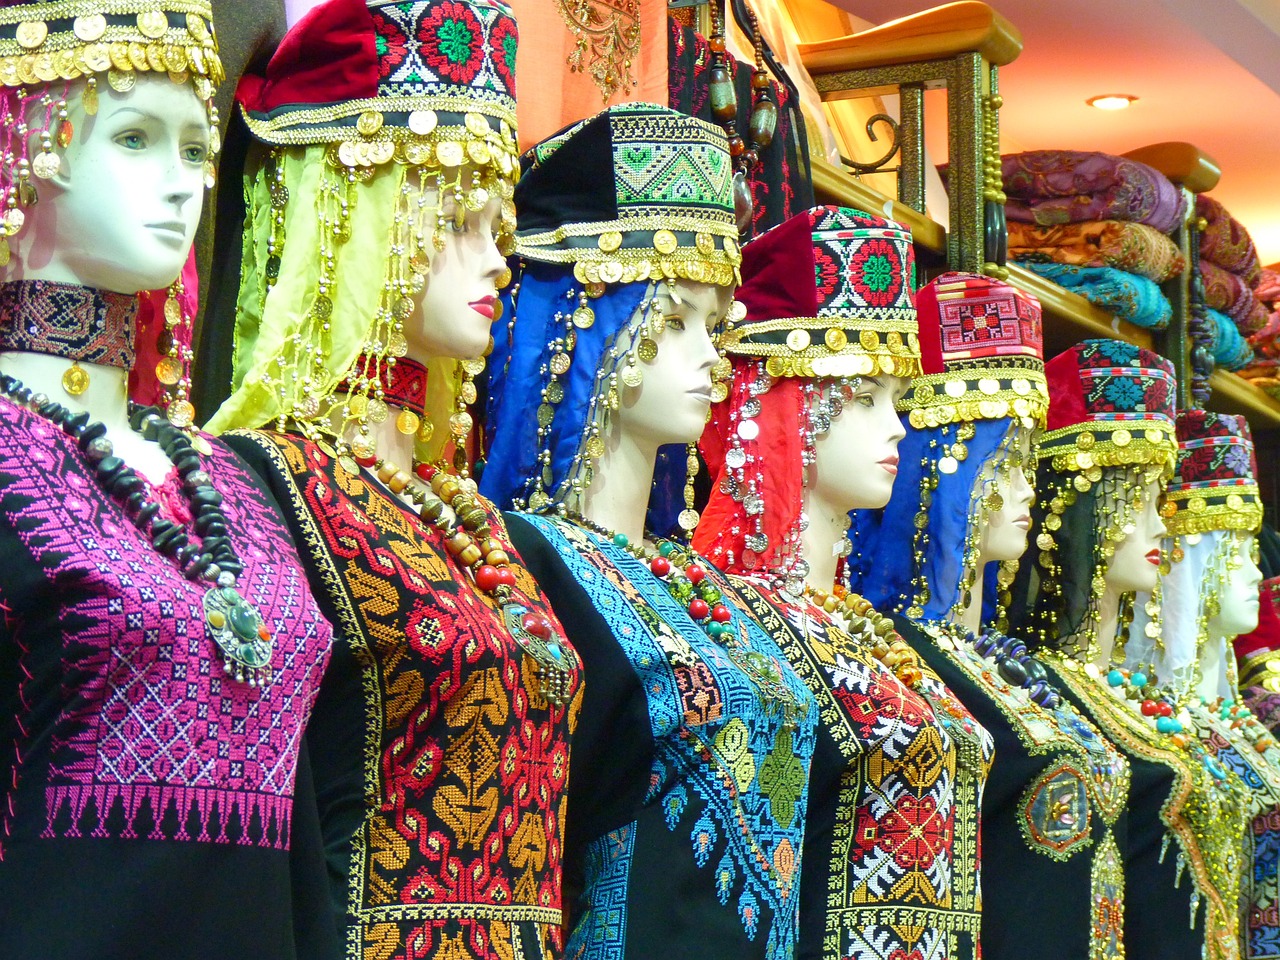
(132, 140)
(674, 321)
(195, 153)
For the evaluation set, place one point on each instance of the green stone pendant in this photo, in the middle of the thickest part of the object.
(238, 629)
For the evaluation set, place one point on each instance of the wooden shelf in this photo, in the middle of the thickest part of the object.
(935, 34)
(1233, 394)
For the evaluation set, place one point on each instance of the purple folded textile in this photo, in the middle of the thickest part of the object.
(1049, 187)
(1226, 242)
(1225, 291)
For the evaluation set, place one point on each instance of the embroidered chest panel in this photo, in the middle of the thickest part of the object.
(891, 875)
(1261, 776)
(727, 766)
(1042, 731)
(152, 738)
(1204, 813)
(465, 763)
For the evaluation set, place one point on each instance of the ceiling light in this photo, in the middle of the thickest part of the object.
(1111, 101)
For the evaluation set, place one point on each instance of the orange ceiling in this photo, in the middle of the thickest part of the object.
(1205, 71)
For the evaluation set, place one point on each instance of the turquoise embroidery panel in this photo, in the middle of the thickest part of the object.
(729, 768)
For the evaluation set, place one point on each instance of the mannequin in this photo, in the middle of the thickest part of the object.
(1103, 465)
(160, 651)
(959, 517)
(790, 452)
(1212, 585)
(371, 272)
(688, 786)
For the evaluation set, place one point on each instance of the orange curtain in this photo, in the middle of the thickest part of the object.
(577, 57)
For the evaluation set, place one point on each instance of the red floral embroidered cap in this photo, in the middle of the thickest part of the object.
(1112, 405)
(1214, 484)
(66, 39)
(427, 84)
(828, 294)
(982, 350)
(639, 192)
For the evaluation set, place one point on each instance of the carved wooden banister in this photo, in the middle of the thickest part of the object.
(959, 46)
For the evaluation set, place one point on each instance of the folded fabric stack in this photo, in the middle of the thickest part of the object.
(1229, 266)
(1097, 224)
(1264, 368)
(1231, 350)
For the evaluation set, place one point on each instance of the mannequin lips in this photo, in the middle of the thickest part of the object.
(173, 228)
(1023, 521)
(890, 464)
(1153, 557)
(484, 306)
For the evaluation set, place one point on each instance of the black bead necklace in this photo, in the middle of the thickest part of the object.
(234, 623)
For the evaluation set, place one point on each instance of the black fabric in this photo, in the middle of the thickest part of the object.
(555, 192)
(1023, 890)
(612, 745)
(667, 915)
(1157, 902)
(143, 898)
(780, 183)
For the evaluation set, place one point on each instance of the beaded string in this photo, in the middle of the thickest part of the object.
(234, 623)
(471, 541)
(687, 582)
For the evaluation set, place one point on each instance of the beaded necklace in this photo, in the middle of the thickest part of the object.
(234, 623)
(875, 630)
(471, 541)
(687, 582)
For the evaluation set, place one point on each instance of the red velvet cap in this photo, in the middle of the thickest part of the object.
(428, 82)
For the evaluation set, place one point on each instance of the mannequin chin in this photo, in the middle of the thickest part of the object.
(121, 213)
(1004, 535)
(856, 461)
(1136, 564)
(1238, 601)
(456, 306)
(670, 405)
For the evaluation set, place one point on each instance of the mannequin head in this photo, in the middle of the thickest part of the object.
(606, 352)
(809, 428)
(1136, 563)
(379, 233)
(458, 301)
(121, 213)
(1240, 578)
(1003, 535)
(962, 500)
(856, 460)
(1103, 464)
(670, 404)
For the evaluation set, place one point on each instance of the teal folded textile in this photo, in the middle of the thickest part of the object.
(1231, 351)
(1125, 295)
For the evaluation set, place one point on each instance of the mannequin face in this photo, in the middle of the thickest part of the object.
(857, 459)
(1136, 564)
(1238, 599)
(121, 214)
(456, 305)
(671, 404)
(1004, 535)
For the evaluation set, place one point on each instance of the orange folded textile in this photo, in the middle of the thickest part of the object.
(1132, 247)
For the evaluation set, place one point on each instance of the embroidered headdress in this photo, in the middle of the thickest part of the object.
(981, 400)
(1212, 499)
(1110, 432)
(660, 216)
(828, 298)
(613, 212)
(45, 47)
(383, 122)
